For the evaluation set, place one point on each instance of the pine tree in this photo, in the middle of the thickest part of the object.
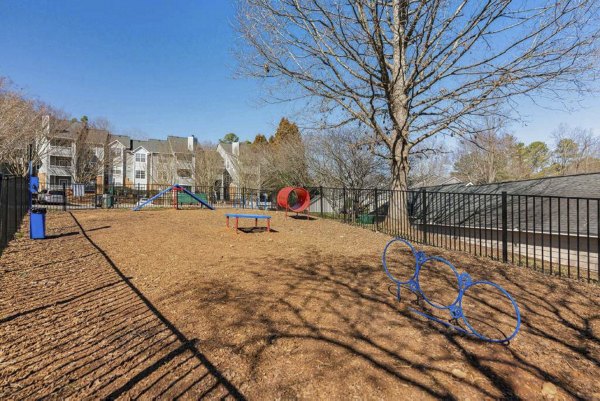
(286, 130)
(260, 139)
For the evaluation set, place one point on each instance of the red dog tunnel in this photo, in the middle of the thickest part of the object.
(294, 199)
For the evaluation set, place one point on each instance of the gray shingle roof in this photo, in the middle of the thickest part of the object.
(579, 185)
(178, 144)
(122, 139)
(569, 204)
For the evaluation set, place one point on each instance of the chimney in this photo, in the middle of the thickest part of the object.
(131, 144)
(235, 148)
(192, 141)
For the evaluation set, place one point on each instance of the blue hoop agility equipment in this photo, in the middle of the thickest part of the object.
(175, 187)
(455, 308)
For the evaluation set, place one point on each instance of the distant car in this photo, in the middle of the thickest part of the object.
(52, 196)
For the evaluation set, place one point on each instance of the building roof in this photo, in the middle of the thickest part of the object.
(437, 181)
(178, 144)
(228, 148)
(97, 136)
(152, 145)
(566, 204)
(577, 185)
(122, 139)
(71, 130)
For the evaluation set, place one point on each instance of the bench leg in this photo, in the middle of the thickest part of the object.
(268, 225)
(227, 221)
(255, 222)
(237, 219)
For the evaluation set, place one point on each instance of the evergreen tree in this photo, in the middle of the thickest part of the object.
(260, 139)
(286, 130)
(230, 138)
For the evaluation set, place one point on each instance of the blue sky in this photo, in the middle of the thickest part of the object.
(157, 68)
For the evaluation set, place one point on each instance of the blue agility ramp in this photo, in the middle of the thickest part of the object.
(175, 187)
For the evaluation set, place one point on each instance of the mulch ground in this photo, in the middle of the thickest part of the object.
(172, 304)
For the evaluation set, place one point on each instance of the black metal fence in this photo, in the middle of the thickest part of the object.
(14, 202)
(553, 234)
(92, 196)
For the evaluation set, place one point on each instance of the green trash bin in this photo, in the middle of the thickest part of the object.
(366, 219)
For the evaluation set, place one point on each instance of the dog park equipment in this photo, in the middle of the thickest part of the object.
(294, 199)
(175, 190)
(455, 308)
(239, 216)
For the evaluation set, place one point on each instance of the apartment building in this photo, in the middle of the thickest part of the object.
(60, 156)
(115, 159)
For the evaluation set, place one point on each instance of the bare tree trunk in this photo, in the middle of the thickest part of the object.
(397, 220)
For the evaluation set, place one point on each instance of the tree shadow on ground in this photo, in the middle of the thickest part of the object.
(336, 315)
(82, 329)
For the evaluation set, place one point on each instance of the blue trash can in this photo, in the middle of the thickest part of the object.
(37, 223)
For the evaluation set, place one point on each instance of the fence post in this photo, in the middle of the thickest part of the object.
(504, 227)
(376, 211)
(321, 206)
(424, 216)
(4, 219)
(15, 217)
(64, 205)
(344, 211)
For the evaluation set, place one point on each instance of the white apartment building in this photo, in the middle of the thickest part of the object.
(128, 162)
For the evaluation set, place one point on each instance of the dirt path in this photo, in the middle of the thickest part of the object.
(166, 303)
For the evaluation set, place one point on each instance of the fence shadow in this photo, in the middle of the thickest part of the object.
(86, 331)
(343, 314)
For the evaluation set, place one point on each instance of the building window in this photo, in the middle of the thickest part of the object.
(116, 171)
(184, 173)
(59, 161)
(140, 174)
(140, 157)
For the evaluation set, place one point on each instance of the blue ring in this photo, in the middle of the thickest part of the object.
(458, 295)
(387, 272)
(510, 298)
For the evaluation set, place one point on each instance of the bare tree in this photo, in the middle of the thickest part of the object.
(208, 166)
(91, 144)
(410, 70)
(486, 159)
(165, 168)
(427, 167)
(24, 124)
(337, 158)
(577, 150)
(285, 162)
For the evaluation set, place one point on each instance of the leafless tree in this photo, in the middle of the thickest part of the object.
(485, 159)
(427, 167)
(410, 70)
(577, 150)
(337, 158)
(91, 144)
(209, 165)
(24, 124)
(165, 168)
(285, 163)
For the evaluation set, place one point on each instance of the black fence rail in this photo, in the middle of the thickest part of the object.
(553, 234)
(14, 203)
(91, 196)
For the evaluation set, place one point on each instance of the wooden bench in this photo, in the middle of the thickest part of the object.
(248, 216)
